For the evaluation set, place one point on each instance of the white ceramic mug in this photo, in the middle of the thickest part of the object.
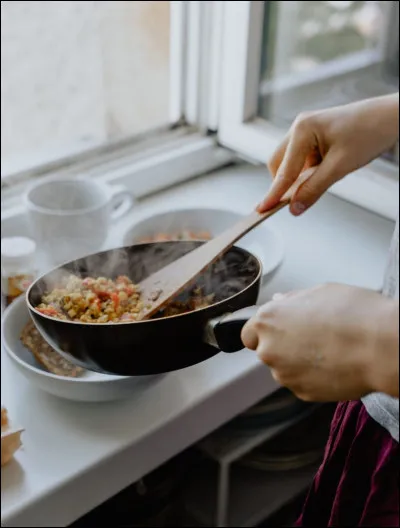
(70, 217)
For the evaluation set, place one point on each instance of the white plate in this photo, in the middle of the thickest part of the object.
(264, 242)
(90, 387)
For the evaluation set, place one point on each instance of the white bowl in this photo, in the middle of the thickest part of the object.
(264, 242)
(90, 387)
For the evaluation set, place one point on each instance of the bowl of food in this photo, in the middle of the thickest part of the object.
(48, 370)
(203, 224)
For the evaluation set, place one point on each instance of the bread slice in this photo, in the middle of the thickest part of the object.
(10, 439)
(45, 355)
(4, 418)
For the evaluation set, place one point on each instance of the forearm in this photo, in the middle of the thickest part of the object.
(382, 116)
(384, 367)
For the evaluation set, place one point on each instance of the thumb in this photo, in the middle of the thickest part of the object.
(249, 335)
(309, 192)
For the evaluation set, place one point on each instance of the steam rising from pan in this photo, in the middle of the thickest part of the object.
(228, 276)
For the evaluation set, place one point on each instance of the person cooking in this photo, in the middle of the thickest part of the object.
(336, 342)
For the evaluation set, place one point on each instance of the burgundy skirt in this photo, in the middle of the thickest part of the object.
(358, 481)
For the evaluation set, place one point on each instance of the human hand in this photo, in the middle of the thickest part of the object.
(336, 141)
(329, 343)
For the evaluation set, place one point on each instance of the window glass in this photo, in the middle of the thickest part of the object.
(80, 74)
(320, 53)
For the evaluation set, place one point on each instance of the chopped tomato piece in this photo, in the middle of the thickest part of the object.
(102, 295)
(48, 311)
(115, 300)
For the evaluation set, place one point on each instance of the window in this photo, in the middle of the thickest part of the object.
(332, 57)
(103, 88)
(282, 58)
(80, 74)
(150, 93)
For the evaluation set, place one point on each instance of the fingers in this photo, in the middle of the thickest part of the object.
(249, 335)
(302, 142)
(255, 330)
(275, 162)
(309, 192)
(254, 338)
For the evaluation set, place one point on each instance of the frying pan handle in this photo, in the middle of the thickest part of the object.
(224, 332)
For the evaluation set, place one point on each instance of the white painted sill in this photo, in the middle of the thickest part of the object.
(374, 187)
(143, 175)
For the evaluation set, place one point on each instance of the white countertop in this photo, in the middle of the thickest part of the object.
(77, 455)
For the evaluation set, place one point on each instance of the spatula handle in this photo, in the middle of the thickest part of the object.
(249, 222)
(171, 280)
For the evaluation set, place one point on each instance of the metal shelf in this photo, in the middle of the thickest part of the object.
(254, 495)
(227, 445)
(225, 494)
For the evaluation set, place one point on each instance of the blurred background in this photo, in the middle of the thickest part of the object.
(78, 74)
(161, 99)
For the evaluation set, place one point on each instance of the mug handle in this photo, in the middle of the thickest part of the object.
(122, 201)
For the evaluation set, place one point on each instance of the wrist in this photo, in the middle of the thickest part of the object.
(387, 114)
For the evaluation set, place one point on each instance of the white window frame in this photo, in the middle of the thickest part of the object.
(162, 158)
(203, 59)
(374, 187)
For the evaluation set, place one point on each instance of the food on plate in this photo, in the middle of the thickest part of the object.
(10, 439)
(45, 355)
(185, 234)
(102, 300)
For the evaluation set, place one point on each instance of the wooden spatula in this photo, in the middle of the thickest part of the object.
(161, 287)
(164, 285)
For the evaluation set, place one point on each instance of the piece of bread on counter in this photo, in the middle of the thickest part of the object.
(4, 418)
(10, 439)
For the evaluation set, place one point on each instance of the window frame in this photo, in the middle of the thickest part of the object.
(203, 59)
(161, 158)
(374, 187)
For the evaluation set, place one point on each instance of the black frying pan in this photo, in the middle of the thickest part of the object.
(161, 344)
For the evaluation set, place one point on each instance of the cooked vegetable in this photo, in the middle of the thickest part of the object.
(182, 235)
(102, 300)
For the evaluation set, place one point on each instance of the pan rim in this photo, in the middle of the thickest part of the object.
(128, 323)
(8, 313)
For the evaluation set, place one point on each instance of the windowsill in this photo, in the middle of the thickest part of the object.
(180, 156)
(374, 187)
(99, 449)
(240, 188)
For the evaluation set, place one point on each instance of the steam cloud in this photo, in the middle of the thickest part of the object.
(228, 276)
